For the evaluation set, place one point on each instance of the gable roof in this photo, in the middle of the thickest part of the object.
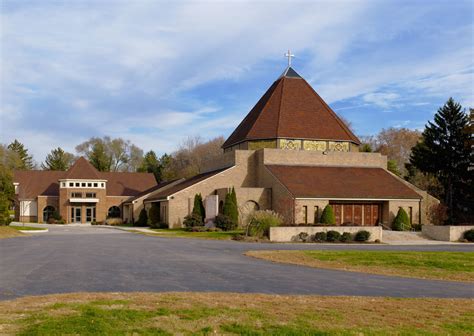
(341, 182)
(82, 169)
(184, 184)
(37, 182)
(291, 109)
(34, 183)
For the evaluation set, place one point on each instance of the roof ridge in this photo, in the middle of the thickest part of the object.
(279, 106)
(334, 114)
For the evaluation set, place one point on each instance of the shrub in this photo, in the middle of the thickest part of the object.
(113, 221)
(142, 218)
(225, 223)
(345, 237)
(401, 222)
(230, 208)
(320, 236)
(438, 214)
(362, 236)
(332, 236)
(198, 207)
(328, 217)
(469, 235)
(301, 237)
(56, 215)
(193, 220)
(261, 221)
(154, 215)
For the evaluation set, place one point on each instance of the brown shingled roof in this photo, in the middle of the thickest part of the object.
(183, 185)
(45, 182)
(341, 182)
(291, 109)
(82, 169)
(38, 182)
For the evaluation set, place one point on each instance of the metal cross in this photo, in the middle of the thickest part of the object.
(289, 55)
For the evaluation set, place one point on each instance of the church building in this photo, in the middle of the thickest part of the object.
(291, 154)
(294, 155)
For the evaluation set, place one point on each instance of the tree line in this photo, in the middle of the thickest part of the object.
(438, 160)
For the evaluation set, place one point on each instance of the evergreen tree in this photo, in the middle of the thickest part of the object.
(198, 207)
(401, 222)
(58, 159)
(444, 151)
(151, 164)
(142, 218)
(327, 216)
(7, 194)
(99, 157)
(22, 152)
(154, 216)
(230, 208)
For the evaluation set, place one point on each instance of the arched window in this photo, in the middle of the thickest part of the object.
(114, 212)
(48, 212)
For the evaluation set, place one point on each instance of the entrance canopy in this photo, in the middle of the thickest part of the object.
(343, 183)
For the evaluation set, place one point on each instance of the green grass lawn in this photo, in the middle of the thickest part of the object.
(458, 266)
(232, 314)
(182, 233)
(25, 228)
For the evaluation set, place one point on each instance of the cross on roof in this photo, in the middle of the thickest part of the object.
(289, 55)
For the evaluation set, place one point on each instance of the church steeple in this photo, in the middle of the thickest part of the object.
(291, 115)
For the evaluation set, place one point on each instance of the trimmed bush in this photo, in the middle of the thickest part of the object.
(230, 208)
(142, 218)
(225, 223)
(332, 236)
(469, 235)
(261, 221)
(345, 237)
(198, 207)
(320, 236)
(328, 217)
(401, 221)
(362, 236)
(193, 220)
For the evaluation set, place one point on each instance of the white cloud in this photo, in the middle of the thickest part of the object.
(382, 99)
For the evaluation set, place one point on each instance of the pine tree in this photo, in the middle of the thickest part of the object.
(198, 207)
(99, 158)
(393, 167)
(7, 194)
(151, 164)
(22, 152)
(58, 159)
(444, 151)
(327, 216)
(235, 207)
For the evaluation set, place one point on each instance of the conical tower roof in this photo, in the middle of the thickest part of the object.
(82, 169)
(291, 109)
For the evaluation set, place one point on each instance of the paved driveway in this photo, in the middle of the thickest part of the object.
(98, 259)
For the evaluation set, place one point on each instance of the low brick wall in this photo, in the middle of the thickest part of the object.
(445, 232)
(284, 234)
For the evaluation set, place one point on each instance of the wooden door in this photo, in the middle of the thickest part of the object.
(375, 213)
(337, 213)
(367, 214)
(357, 214)
(348, 213)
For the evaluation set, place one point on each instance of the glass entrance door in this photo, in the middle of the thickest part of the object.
(76, 215)
(90, 214)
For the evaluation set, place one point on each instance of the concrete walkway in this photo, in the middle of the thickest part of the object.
(90, 259)
(411, 238)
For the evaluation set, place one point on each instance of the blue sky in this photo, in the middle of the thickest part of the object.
(156, 72)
